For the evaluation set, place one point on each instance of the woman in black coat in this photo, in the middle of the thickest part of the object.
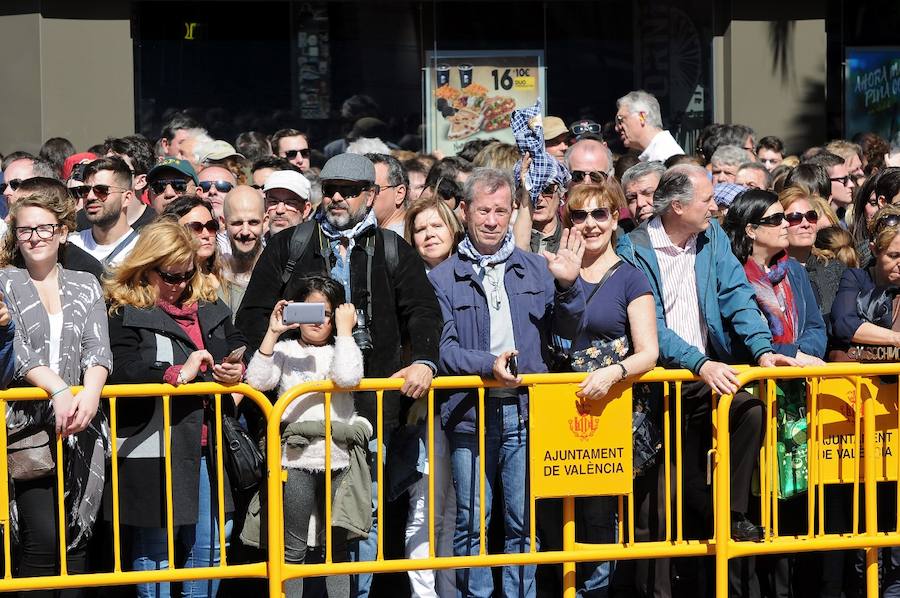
(166, 325)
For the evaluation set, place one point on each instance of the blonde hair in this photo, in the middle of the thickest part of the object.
(607, 195)
(791, 195)
(163, 243)
(835, 243)
(57, 202)
(437, 204)
(497, 155)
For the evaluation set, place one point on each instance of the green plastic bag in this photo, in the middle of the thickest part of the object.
(791, 438)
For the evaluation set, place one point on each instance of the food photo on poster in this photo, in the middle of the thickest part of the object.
(473, 96)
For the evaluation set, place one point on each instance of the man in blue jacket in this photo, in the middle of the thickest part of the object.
(707, 319)
(498, 302)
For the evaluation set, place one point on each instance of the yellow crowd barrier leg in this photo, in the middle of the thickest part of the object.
(871, 492)
(4, 501)
(723, 515)
(568, 546)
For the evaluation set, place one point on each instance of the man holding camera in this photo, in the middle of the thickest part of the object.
(382, 276)
(500, 306)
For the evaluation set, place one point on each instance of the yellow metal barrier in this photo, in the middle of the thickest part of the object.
(846, 399)
(118, 576)
(673, 545)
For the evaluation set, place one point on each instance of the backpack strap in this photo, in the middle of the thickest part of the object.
(299, 241)
(391, 255)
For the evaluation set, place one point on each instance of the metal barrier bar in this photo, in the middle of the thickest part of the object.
(379, 518)
(114, 394)
(167, 453)
(220, 482)
(431, 504)
(329, 482)
(482, 490)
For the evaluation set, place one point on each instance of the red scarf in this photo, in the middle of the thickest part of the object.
(775, 297)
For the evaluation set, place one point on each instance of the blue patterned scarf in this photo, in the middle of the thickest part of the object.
(467, 248)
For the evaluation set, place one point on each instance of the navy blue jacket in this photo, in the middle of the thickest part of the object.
(811, 337)
(845, 318)
(538, 308)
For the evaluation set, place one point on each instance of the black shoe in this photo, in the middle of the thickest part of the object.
(743, 530)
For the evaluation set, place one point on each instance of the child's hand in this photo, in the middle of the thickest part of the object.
(276, 320)
(345, 319)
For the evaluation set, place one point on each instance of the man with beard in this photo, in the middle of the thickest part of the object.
(383, 277)
(245, 216)
(106, 194)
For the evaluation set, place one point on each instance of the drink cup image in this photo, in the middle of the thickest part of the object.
(465, 75)
(443, 74)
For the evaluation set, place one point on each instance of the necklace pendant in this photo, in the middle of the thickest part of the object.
(495, 298)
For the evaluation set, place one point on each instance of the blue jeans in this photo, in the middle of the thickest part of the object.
(597, 517)
(149, 551)
(367, 550)
(506, 448)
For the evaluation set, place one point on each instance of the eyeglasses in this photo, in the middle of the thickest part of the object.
(795, 218)
(598, 214)
(294, 204)
(887, 221)
(178, 185)
(170, 278)
(381, 188)
(221, 186)
(775, 161)
(581, 129)
(773, 220)
(197, 227)
(12, 184)
(291, 154)
(347, 191)
(840, 179)
(872, 201)
(44, 231)
(258, 187)
(550, 189)
(597, 176)
(101, 192)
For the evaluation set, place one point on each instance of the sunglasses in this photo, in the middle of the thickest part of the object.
(197, 227)
(258, 187)
(12, 184)
(884, 222)
(581, 129)
(170, 278)
(596, 176)
(598, 214)
(291, 154)
(178, 185)
(840, 179)
(44, 231)
(101, 192)
(550, 189)
(773, 220)
(795, 218)
(346, 191)
(221, 186)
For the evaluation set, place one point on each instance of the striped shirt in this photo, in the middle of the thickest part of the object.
(681, 305)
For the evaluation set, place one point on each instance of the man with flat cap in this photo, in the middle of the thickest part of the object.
(382, 276)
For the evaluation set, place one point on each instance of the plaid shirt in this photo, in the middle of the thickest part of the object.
(545, 169)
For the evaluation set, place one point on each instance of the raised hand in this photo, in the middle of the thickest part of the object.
(565, 264)
(276, 320)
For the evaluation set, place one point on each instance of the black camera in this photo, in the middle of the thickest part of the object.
(361, 335)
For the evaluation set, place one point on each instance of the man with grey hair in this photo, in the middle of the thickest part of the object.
(498, 302)
(19, 167)
(753, 175)
(589, 161)
(639, 124)
(725, 163)
(706, 318)
(392, 198)
(639, 183)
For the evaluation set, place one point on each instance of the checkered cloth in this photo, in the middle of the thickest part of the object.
(545, 169)
(725, 193)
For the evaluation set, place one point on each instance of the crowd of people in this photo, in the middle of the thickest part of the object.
(152, 261)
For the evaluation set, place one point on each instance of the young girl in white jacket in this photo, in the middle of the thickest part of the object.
(322, 351)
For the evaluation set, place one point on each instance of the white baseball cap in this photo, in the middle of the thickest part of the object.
(291, 180)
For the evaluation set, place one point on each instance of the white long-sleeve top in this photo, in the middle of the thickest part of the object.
(293, 363)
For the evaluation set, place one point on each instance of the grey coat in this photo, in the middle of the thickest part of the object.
(84, 344)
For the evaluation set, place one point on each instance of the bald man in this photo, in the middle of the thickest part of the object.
(589, 161)
(244, 212)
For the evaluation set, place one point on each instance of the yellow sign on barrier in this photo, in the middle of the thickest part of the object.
(584, 448)
(837, 405)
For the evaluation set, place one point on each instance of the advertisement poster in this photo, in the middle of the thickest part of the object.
(872, 91)
(471, 95)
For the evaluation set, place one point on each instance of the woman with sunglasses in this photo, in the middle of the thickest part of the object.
(61, 340)
(802, 229)
(620, 323)
(196, 215)
(167, 326)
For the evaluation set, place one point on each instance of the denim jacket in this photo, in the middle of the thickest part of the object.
(538, 307)
(736, 330)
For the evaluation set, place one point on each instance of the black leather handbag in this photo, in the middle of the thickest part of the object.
(241, 456)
